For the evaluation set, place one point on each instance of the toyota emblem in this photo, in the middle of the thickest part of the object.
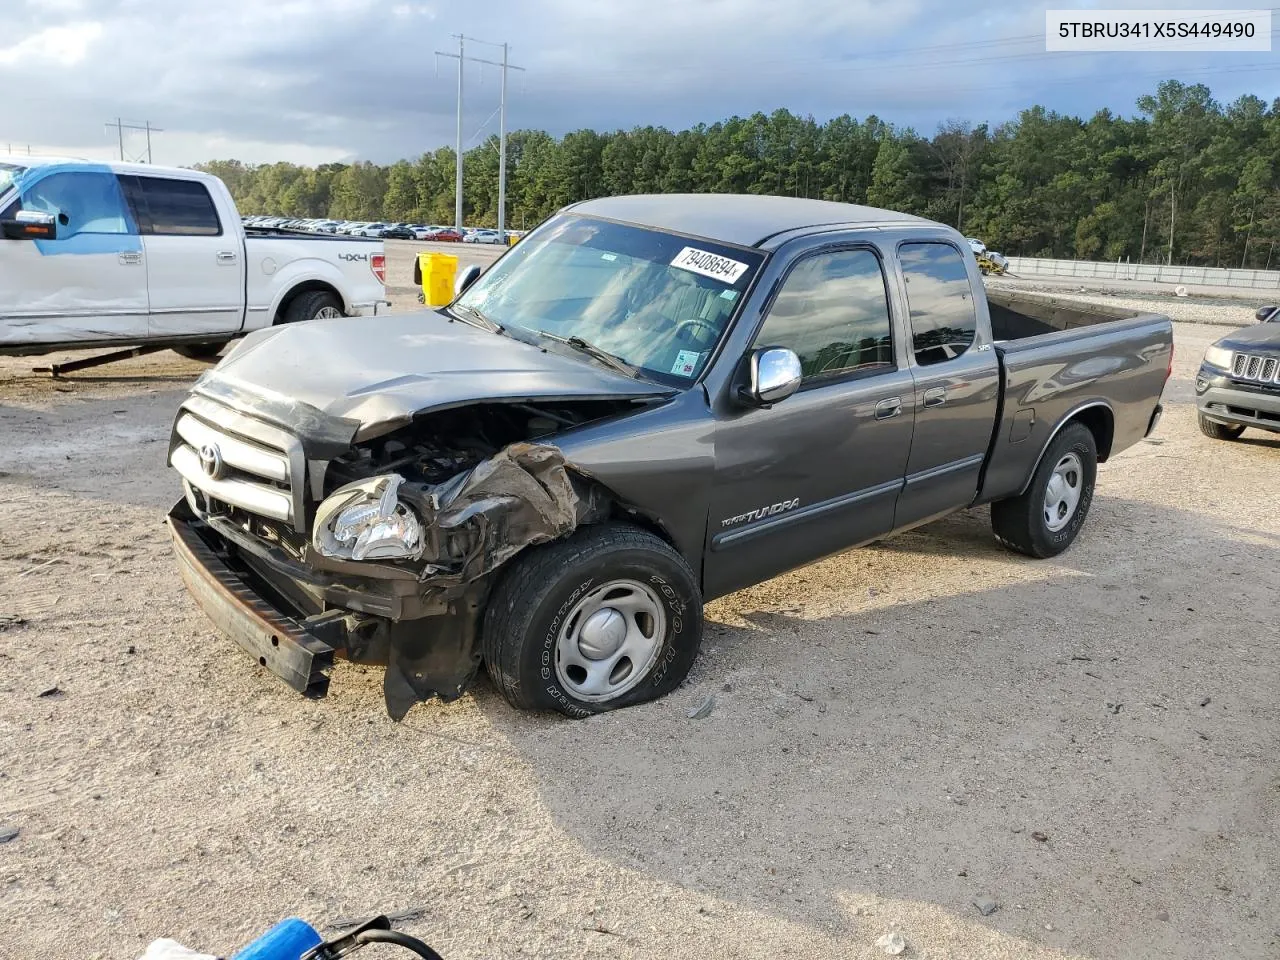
(211, 461)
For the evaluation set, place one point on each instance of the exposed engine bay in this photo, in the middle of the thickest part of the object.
(440, 445)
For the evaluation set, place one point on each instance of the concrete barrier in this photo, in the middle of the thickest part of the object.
(1148, 272)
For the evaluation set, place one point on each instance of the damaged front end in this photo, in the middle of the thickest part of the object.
(387, 555)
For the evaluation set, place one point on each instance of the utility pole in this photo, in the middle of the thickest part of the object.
(462, 58)
(1173, 206)
(123, 125)
(457, 174)
(502, 152)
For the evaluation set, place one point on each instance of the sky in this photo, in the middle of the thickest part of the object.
(313, 81)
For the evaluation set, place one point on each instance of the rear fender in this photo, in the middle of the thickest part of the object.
(1098, 416)
(310, 270)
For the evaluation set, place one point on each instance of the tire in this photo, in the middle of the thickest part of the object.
(205, 352)
(1023, 523)
(1219, 431)
(312, 305)
(537, 640)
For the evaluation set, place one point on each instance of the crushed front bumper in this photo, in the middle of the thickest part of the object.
(283, 640)
(292, 627)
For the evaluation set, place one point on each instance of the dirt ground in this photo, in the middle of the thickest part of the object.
(1089, 741)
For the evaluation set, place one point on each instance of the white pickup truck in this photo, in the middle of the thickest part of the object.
(116, 254)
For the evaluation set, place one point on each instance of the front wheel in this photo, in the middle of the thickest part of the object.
(1044, 520)
(608, 617)
(1219, 431)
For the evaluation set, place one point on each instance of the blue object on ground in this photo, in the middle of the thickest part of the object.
(287, 940)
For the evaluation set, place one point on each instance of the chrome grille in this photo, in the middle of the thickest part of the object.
(1252, 366)
(240, 461)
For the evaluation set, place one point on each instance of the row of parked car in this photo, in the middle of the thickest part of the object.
(387, 231)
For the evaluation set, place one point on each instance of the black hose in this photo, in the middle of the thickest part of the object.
(400, 939)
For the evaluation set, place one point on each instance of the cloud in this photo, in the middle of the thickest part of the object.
(316, 80)
(64, 45)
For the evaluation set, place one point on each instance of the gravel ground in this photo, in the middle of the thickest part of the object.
(1089, 741)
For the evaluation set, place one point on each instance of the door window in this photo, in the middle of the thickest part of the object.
(92, 203)
(174, 207)
(943, 323)
(833, 311)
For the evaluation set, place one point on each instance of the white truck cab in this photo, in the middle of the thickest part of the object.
(107, 254)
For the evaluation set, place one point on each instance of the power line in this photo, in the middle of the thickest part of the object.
(462, 59)
(123, 125)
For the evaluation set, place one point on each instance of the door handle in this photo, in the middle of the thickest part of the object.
(226, 256)
(935, 396)
(130, 259)
(888, 408)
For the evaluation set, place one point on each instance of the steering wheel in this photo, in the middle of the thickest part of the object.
(696, 323)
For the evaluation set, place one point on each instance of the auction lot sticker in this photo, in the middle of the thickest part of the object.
(709, 264)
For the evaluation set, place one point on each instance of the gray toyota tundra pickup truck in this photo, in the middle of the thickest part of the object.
(647, 403)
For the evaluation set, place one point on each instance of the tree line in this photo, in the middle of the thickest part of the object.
(1186, 179)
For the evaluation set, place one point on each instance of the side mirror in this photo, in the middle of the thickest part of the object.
(465, 278)
(30, 225)
(773, 374)
(1269, 314)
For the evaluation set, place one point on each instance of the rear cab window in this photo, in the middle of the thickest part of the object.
(943, 320)
(168, 207)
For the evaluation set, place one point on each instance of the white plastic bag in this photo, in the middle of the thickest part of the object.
(172, 950)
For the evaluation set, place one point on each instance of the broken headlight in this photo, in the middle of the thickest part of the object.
(367, 521)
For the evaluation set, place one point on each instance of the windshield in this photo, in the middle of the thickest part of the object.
(656, 301)
(9, 173)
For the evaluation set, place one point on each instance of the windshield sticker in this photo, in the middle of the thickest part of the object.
(729, 295)
(609, 256)
(686, 363)
(709, 265)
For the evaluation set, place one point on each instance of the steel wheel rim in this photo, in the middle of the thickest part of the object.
(610, 640)
(328, 313)
(1062, 494)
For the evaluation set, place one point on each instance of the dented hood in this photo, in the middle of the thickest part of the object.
(375, 373)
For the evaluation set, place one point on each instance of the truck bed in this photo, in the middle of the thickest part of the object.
(270, 233)
(1018, 316)
(1060, 357)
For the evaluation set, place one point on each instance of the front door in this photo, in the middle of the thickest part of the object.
(89, 284)
(196, 268)
(957, 384)
(820, 471)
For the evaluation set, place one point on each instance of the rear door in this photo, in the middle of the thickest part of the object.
(89, 284)
(195, 264)
(956, 382)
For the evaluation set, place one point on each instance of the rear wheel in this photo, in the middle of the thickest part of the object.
(1219, 431)
(607, 618)
(312, 305)
(206, 352)
(1044, 520)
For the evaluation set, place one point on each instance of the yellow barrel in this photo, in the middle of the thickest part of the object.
(511, 240)
(436, 272)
